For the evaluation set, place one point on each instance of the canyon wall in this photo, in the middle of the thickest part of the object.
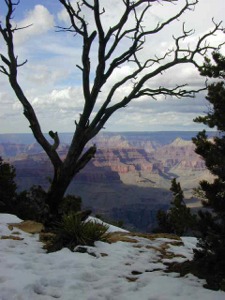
(128, 179)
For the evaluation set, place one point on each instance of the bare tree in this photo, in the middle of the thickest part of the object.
(110, 57)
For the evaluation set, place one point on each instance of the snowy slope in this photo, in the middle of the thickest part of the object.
(117, 271)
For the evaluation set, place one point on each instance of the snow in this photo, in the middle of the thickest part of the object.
(117, 271)
(112, 228)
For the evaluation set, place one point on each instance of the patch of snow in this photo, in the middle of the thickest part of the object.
(8, 218)
(118, 271)
(112, 228)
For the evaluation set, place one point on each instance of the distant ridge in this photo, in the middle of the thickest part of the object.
(179, 142)
(163, 137)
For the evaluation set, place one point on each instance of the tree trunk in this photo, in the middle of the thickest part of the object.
(56, 192)
(63, 176)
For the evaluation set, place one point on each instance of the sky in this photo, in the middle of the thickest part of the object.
(52, 82)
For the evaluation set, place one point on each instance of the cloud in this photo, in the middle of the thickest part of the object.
(41, 21)
(45, 75)
(156, 44)
(52, 81)
(152, 121)
(68, 100)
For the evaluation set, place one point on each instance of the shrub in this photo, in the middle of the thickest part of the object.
(31, 204)
(164, 224)
(210, 255)
(27, 204)
(72, 231)
(178, 219)
(7, 187)
(70, 204)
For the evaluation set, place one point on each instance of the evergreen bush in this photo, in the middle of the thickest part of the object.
(178, 219)
(7, 187)
(31, 204)
(70, 204)
(209, 258)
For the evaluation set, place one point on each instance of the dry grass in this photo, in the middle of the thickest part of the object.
(27, 226)
(115, 237)
(130, 237)
(11, 237)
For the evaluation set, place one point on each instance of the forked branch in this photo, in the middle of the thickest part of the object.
(10, 68)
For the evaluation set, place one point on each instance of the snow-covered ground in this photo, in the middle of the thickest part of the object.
(117, 271)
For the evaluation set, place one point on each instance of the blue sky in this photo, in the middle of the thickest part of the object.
(52, 83)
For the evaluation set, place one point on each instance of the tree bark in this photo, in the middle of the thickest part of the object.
(63, 176)
(56, 192)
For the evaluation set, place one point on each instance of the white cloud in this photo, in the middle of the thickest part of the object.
(41, 21)
(44, 74)
(68, 99)
(53, 83)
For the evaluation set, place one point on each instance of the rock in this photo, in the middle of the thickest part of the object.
(131, 279)
(136, 273)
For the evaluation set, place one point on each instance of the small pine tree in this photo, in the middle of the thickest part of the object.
(180, 215)
(163, 220)
(178, 219)
(210, 258)
(30, 204)
(7, 187)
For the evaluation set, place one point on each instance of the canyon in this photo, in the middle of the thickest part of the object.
(129, 178)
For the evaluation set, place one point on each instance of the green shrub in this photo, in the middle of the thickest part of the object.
(7, 187)
(27, 204)
(31, 204)
(164, 223)
(70, 204)
(209, 257)
(72, 231)
(178, 219)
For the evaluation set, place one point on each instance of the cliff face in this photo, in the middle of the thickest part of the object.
(123, 160)
(128, 179)
(180, 154)
(116, 156)
(12, 149)
(16, 151)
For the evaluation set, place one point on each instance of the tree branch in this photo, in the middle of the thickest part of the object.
(11, 71)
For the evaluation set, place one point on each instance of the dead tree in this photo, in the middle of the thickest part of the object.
(109, 58)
